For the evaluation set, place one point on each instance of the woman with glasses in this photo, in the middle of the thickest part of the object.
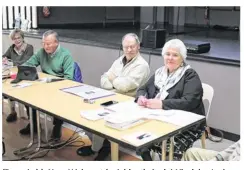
(19, 52)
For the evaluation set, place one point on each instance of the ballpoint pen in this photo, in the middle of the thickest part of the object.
(143, 136)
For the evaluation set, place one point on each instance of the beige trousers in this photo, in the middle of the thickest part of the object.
(199, 154)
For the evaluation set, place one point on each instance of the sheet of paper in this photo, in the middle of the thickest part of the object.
(95, 114)
(88, 92)
(130, 107)
(177, 117)
(7, 66)
(21, 85)
(139, 138)
(74, 90)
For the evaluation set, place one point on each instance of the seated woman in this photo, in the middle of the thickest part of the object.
(174, 86)
(19, 52)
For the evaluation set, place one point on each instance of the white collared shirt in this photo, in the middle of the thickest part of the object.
(53, 54)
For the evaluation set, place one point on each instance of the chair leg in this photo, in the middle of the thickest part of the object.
(171, 149)
(3, 146)
(153, 155)
(203, 140)
(163, 156)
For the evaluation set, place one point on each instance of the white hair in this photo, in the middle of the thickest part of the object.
(49, 32)
(131, 35)
(178, 44)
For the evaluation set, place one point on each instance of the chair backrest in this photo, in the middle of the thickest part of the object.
(77, 73)
(208, 93)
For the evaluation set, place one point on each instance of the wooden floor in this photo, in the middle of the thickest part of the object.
(13, 140)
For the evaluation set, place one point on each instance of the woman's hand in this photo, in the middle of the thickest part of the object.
(142, 101)
(154, 104)
(5, 60)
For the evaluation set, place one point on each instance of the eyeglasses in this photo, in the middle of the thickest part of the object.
(131, 47)
(46, 44)
(172, 54)
(17, 38)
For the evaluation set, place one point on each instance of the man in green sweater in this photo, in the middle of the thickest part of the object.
(54, 60)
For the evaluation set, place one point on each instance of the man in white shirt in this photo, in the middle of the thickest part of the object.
(126, 75)
(129, 71)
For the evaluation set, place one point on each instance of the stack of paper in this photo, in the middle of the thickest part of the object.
(129, 108)
(129, 114)
(120, 121)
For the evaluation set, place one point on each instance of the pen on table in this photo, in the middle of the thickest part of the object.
(143, 136)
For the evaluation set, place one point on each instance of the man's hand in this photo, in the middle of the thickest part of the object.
(142, 101)
(111, 77)
(154, 104)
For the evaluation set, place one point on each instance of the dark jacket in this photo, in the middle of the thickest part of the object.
(18, 59)
(185, 95)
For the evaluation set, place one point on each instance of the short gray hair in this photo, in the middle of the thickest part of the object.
(178, 44)
(132, 35)
(16, 31)
(51, 32)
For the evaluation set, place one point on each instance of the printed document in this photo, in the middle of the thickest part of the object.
(139, 138)
(95, 114)
(88, 92)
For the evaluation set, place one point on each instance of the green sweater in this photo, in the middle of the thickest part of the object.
(60, 64)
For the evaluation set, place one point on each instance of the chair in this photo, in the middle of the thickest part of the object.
(208, 93)
(77, 73)
(3, 147)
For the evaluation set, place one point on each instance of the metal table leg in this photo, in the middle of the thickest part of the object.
(38, 132)
(25, 149)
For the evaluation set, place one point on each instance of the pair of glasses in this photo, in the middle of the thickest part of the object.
(131, 47)
(17, 38)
